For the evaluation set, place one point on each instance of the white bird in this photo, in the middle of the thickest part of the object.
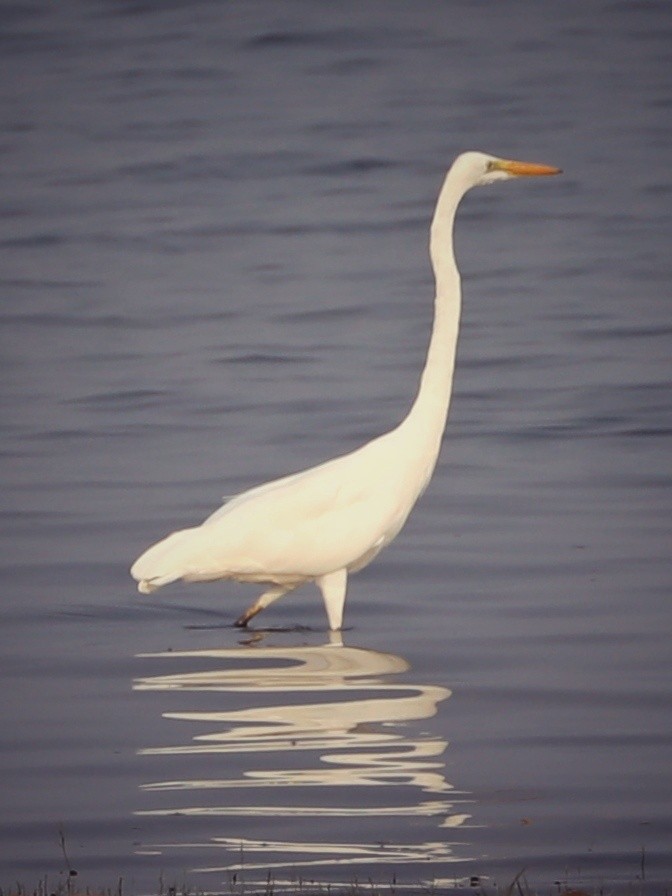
(321, 524)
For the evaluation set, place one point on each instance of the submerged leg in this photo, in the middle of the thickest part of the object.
(333, 587)
(268, 597)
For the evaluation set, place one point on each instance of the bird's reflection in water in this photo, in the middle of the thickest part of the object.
(321, 765)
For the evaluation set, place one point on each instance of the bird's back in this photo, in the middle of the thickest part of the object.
(332, 516)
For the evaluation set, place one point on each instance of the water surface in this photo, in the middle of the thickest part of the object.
(213, 237)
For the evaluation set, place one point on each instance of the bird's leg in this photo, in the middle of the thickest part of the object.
(268, 597)
(333, 587)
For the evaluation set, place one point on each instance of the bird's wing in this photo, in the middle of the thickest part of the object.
(336, 482)
(307, 524)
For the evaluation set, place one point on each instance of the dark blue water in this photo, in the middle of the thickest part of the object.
(213, 237)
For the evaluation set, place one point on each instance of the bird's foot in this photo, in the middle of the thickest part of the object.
(242, 621)
(250, 613)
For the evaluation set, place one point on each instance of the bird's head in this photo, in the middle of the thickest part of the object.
(479, 169)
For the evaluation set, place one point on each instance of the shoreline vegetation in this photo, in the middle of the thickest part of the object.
(67, 882)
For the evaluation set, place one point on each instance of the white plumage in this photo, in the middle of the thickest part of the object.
(330, 520)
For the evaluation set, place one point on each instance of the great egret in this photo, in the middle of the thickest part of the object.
(325, 522)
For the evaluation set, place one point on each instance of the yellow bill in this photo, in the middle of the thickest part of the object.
(524, 169)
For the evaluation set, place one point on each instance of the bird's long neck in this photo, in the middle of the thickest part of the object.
(428, 414)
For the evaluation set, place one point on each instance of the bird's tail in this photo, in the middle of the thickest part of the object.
(166, 561)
